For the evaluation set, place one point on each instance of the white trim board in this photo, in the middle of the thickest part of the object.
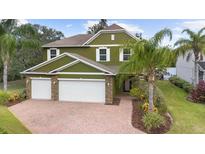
(82, 73)
(60, 56)
(85, 62)
(79, 79)
(40, 78)
(45, 62)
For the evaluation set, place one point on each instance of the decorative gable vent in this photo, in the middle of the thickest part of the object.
(112, 37)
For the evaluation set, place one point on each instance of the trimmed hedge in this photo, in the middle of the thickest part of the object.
(181, 83)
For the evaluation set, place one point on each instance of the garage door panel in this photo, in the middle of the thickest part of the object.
(41, 89)
(82, 91)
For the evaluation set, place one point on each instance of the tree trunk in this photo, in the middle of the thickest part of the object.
(151, 92)
(5, 75)
(195, 73)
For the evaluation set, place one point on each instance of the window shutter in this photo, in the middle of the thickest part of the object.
(48, 54)
(121, 54)
(108, 54)
(97, 55)
(57, 52)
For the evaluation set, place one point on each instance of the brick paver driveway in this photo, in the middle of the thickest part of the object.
(58, 117)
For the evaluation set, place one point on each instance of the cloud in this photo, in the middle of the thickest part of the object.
(69, 25)
(194, 25)
(22, 22)
(90, 23)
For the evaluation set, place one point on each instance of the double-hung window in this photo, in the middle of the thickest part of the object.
(103, 54)
(125, 54)
(52, 53)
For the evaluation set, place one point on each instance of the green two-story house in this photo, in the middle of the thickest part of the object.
(81, 68)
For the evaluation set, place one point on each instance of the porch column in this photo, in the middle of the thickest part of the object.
(109, 89)
(28, 87)
(54, 88)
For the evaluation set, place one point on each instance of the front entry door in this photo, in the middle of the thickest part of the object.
(127, 85)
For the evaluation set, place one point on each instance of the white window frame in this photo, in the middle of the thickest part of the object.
(112, 37)
(49, 53)
(107, 54)
(121, 54)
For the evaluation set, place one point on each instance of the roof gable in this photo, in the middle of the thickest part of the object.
(80, 67)
(66, 60)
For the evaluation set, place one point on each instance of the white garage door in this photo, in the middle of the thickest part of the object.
(82, 90)
(40, 88)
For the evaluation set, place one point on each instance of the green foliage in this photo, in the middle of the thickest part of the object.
(2, 131)
(97, 27)
(28, 51)
(4, 97)
(152, 120)
(138, 93)
(181, 83)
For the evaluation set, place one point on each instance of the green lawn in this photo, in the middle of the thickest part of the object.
(14, 85)
(7, 120)
(10, 123)
(188, 117)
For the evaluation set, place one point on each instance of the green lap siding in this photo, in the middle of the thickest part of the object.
(90, 53)
(105, 38)
(80, 67)
(81, 76)
(55, 64)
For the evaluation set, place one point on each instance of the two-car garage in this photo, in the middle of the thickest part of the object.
(70, 90)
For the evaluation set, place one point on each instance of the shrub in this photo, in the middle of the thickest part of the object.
(181, 83)
(198, 94)
(4, 97)
(160, 104)
(22, 94)
(2, 131)
(152, 120)
(138, 93)
(14, 96)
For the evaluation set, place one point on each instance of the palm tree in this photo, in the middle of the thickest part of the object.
(193, 45)
(7, 45)
(7, 48)
(149, 56)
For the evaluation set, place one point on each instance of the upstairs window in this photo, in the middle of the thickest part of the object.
(125, 54)
(103, 54)
(52, 53)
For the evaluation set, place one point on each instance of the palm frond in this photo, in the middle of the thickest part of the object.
(201, 31)
(182, 41)
(190, 33)
(158, 37)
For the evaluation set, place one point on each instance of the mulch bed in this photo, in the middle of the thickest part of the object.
(137, 115)
(8, 104)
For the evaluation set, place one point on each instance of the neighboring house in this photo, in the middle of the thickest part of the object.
(81, 68)
(169, 72)
(185, 69)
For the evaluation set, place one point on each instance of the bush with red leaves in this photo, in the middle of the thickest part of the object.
(198, 93)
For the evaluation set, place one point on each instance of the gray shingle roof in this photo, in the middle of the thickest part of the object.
(202, 64)
(75, 40)
(110, 69)
(113, 27)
